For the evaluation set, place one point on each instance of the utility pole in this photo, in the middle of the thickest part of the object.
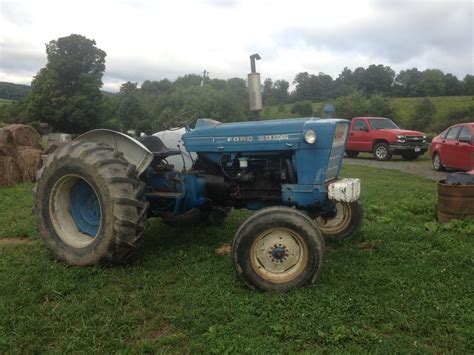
(205, 75)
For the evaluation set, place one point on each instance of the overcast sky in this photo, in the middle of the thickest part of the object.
(166, 39)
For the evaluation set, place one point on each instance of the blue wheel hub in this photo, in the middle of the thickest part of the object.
(84, 208)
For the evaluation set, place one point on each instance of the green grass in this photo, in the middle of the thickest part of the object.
(5, 102)
(404, 285)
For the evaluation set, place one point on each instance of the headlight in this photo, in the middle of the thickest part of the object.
(401, 139)
(310, 136)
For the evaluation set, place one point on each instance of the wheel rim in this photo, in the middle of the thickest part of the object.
(436, 162)
(381, 152)
(279, 255)
(75, 211)
(338, 223)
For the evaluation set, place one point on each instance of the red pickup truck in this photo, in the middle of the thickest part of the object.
(384, 138)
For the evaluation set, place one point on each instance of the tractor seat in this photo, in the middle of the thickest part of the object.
(156, 146)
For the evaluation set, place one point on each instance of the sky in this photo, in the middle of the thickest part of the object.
(153, 40)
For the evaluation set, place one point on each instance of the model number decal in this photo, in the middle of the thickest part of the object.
(265, 138)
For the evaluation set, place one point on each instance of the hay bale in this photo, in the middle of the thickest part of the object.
(25, 135)
(29, 161)
(10, 173)
(7, 144)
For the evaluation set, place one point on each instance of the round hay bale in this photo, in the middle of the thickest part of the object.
(7, 144)
(25, 135)
(10, 172)
(29, 161)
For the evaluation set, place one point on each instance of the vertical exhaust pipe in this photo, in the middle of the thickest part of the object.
(255, 88)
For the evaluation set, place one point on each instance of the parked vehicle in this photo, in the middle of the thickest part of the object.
(454, 148)
(384, 138)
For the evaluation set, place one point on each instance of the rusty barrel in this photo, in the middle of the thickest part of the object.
(455, 201)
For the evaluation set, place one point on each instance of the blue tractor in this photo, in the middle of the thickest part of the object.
(94, 195)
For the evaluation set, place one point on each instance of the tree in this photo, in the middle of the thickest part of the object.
(432, 83)
(452, 85)
(130, 112)
(379, 106)
(66, 92)
(425, 111)
(303, 108)
(468, 85)
(353, 105)
(407, 83)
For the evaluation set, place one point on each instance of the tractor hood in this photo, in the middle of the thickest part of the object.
(269, 135)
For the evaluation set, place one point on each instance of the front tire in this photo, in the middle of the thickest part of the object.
(344, 223)
(278, 249)
(90, 205)
(381, 151)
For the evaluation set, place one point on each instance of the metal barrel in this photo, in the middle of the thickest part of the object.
(455, 201)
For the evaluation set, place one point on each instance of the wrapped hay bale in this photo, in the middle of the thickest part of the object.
(7, 144)
(25, 135)
(10, 173)
(29, 161)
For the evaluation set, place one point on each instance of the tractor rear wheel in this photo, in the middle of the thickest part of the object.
(90, 204)
(344, 223)
(278, 249)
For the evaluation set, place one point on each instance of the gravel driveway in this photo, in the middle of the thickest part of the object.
(421, 168)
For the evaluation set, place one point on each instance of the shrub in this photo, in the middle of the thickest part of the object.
(303, 108)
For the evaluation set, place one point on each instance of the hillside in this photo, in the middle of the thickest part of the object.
(12, 91)
(404, 108)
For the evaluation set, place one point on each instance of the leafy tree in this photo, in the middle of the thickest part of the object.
(379, 106)
(407, 83)
(375, 79)
(353, 105)
(468, 85)
(66, 92)
(432, 83)
(425, 110)
(452, 85)
(130, 113)
(303, 108)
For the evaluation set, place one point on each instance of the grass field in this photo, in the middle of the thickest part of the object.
(5, 102)
(404, 285)
(404, 107)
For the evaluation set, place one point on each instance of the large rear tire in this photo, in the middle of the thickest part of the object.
(90, 204)
(278, 249)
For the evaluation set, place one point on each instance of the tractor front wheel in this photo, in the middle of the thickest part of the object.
(90, 204)
(343, 223)
(278, 249)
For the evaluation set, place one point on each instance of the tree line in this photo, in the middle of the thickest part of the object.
(67, 94)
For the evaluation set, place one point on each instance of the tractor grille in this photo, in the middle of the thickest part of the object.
(337, 151)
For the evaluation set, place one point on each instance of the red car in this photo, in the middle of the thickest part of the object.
(454, 148)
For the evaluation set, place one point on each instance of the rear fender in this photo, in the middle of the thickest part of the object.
(133, 151)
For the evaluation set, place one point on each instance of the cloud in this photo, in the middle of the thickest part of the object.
(166, 39)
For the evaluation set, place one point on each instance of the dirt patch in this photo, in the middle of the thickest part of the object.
(4, 241)
(224, 249)
(163, 331)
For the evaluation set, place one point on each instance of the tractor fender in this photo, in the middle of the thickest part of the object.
(133, 151)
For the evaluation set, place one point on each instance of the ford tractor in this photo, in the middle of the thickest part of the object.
(94, 195)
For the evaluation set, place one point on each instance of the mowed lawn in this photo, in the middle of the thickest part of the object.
(404, 285)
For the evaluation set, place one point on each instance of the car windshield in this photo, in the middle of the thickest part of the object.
(383, 123)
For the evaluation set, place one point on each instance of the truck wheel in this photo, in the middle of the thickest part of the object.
(382, 151)
(278, 249)
(90, 204)
(438, 163)
(409, 156)
(352, 154)
(344, 223)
